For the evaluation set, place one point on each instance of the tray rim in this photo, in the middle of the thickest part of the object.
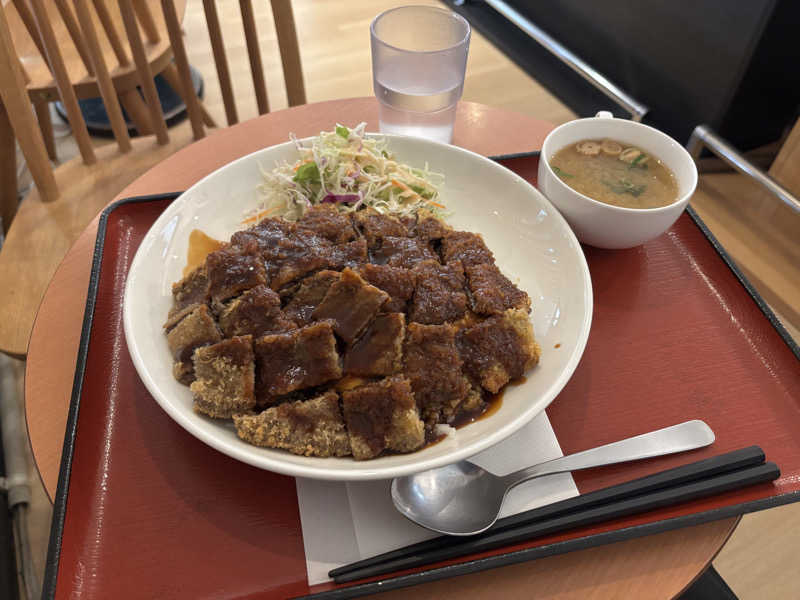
(426, 574)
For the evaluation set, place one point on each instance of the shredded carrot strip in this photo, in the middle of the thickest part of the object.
(258, 216)
(405, 188)
(301, 163)
(400, 184)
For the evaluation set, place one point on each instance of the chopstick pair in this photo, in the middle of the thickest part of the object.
(715, 475)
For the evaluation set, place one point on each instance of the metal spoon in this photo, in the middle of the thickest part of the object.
(463, 499)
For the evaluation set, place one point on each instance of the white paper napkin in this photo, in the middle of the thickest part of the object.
(346, 522)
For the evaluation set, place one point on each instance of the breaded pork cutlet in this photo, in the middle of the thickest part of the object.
(403, 252)
(233, 270)
(376, 226)
(309, 295)
(439, 295)
(499, 349)
(433, 366)
(187, 294)
(295, 257)
(224, 382)
(265, 235)
(326, 220)
(382, 415)
(348, 333)
(256, 312)
(312, 428)
(299, 359)
(429, 227)
(491, 292)
(379, 350)
(350, 303)
(196, 329)
(467, 247)
(352, 254)
(398, 282)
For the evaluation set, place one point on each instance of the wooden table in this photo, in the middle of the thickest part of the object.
(656, 566)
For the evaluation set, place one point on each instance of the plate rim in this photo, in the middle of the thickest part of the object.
(360, 471)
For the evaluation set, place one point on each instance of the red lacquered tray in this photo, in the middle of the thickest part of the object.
(677, 334)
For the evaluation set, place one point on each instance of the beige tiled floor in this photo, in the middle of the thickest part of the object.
(761, 559)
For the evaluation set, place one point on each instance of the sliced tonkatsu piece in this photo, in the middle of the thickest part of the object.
(196, 329)
(379, 350)
(398, 282)
(350, 255)
(467, 247)
(232, 270)
(295, 257)
(256, 312)
(350, 303)
(433, 366)
(499, 349)
(326, 220)
(291, 261)
(491, 292)
(288, 252)
(410, 223)
(382, 415)
(429, 227)
(265, 234)
(309, 295)
(376, 226)
(312, 428)
(299, 359)
(224, 378)
(439, 296)
(403, 252)
(187, 294)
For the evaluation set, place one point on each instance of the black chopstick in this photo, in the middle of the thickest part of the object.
(729, 461)
(711, 476)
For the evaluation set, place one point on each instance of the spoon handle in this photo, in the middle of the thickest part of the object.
(678, 438)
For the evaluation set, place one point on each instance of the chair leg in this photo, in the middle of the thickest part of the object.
(19, 113)
(42, 109)
(170, 74)
(137, 111)
(8, 171)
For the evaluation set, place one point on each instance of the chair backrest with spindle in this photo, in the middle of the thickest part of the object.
(81, 25)
(287, 45)
(68, 31)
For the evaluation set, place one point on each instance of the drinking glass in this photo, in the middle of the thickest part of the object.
(419, 56)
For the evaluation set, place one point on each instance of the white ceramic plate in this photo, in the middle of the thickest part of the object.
(532, 243)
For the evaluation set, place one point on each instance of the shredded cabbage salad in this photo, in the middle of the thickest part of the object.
(351, 171)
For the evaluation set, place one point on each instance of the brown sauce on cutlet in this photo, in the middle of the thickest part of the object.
(432, 438)
(200, 246)
(276, 274)
(492, 404)
(298, 420)
(557, 346)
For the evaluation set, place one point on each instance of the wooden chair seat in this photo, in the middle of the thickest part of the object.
(42, 232)
(65, 200)
(42, 86)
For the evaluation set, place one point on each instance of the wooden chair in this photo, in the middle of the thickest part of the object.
(78, 64)
(287, 46)
(65, 200)
(757, 222)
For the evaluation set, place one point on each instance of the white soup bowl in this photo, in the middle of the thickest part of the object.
(604, 225)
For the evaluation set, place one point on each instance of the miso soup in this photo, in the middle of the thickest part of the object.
(615, 173)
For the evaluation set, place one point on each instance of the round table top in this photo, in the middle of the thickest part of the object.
(666, 562)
